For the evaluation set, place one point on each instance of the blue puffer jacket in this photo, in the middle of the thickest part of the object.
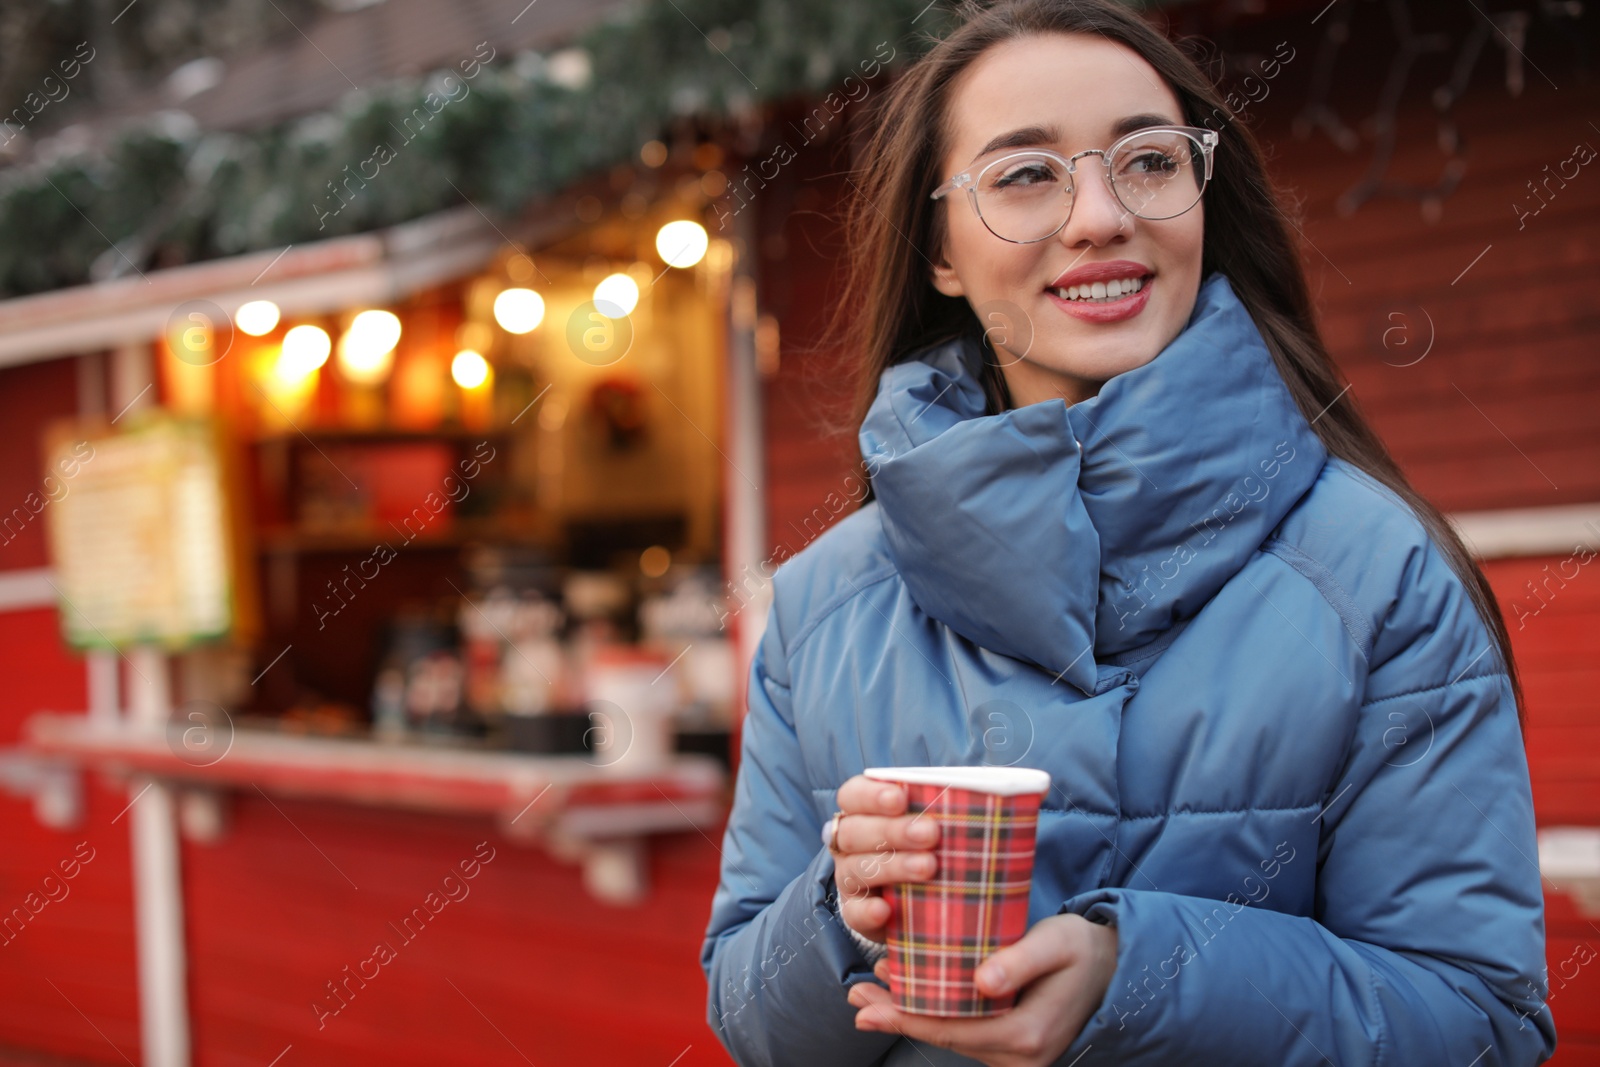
(1285, 755)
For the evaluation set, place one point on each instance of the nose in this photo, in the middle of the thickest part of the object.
(1097, 217)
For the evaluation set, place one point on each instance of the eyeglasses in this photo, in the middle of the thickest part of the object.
(1156, 173)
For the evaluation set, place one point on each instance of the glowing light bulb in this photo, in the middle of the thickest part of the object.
(616, 296)
(682, 243)
(469, 369)
(518, 310)
(257, 318)
(305, 348)
(366, 351)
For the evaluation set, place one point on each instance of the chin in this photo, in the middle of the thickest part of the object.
(1100, 368)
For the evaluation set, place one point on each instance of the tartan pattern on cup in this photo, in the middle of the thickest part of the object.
(975, 904)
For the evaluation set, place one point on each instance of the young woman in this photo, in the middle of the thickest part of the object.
(1125, 526)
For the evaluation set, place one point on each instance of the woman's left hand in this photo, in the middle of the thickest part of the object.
(1062, 966)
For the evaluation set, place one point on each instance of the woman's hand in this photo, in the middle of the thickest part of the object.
(881, 845)
(1062, 966)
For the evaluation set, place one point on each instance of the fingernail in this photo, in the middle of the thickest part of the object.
(922, 864)
(993, 976)
(887, 795)
(924, 831)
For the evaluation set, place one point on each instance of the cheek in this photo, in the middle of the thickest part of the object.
(969, 241)
(1196, 236)
(1185, 242)
(989, 268)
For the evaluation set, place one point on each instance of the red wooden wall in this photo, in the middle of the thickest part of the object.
(75, 959)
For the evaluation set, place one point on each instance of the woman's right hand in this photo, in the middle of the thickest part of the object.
(877, 844)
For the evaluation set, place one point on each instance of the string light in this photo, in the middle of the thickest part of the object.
(305, 348)
(257, 318)
(682, 243)
(469, 369)
(518, 310)
(366, 351)
(616, 295)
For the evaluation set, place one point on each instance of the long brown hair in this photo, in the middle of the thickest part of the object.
(893, 227)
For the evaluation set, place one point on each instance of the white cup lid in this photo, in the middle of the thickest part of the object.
(999, 781)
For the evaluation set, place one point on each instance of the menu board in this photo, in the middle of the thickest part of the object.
(139, 536)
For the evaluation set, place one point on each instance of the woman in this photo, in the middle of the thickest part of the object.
(1126, 527)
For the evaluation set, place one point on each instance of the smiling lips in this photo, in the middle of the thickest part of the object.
(1103, 292)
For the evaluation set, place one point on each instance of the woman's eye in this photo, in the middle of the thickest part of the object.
(1152, 163)
(1026, 174)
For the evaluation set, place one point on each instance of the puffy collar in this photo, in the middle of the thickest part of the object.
(1065, 534)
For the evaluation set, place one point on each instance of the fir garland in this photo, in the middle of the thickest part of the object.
(514, 128)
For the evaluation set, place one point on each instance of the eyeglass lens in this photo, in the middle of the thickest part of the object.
(1027, 197)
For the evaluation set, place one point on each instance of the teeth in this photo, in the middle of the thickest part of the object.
(1114, 289)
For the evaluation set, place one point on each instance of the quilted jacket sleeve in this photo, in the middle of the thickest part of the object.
(1427, 943)
(776, 955)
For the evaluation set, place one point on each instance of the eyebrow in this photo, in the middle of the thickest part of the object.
(1029, 136)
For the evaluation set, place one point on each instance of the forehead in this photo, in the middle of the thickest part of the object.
(1078, 84)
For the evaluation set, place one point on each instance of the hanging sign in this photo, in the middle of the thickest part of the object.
(139, 536)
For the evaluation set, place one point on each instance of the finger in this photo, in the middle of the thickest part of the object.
(863, 794)
(856, 832)
(876, 1011)
(860, 871)
(880, 970)
(1046, 947)
(864, 993)
(867, 916)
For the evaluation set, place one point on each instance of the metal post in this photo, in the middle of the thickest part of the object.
(157, 881)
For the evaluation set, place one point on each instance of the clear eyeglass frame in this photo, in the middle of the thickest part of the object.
(1206, 139)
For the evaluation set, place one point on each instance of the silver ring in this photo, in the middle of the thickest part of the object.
(830, 833)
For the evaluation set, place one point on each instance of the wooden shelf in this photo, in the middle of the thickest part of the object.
(381, 435)
(598, 816)
(362, 538)
(682, 794)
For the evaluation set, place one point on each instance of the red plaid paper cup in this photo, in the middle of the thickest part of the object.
(977, 901)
